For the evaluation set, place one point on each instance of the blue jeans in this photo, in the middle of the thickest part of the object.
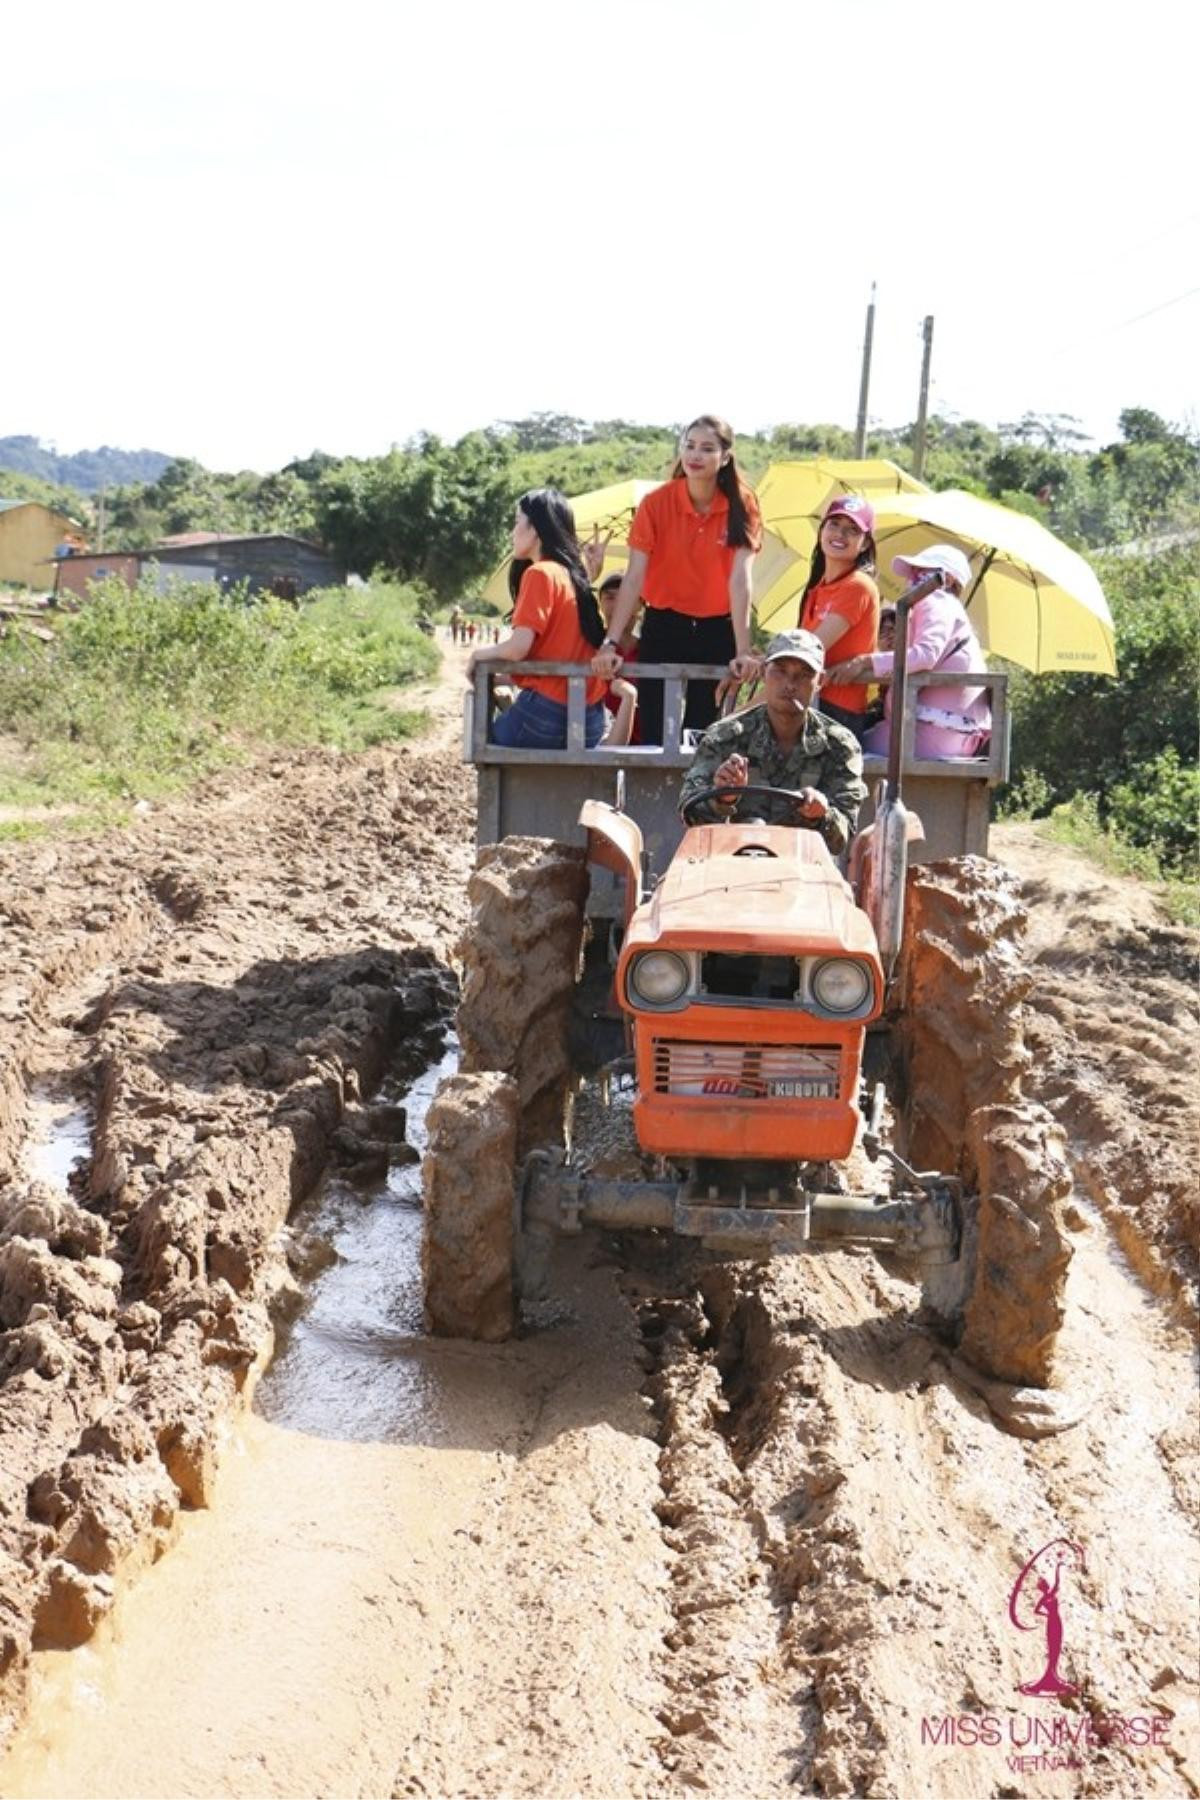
(535, 722)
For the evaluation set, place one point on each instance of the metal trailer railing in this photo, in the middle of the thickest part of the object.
(539, 792)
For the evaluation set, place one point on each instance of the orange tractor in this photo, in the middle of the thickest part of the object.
(719, 990)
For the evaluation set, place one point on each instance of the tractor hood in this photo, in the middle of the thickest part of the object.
(767, 888)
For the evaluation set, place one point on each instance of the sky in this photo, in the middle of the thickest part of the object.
(240, 232)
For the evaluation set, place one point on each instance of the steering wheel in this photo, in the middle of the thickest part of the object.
(750, 789)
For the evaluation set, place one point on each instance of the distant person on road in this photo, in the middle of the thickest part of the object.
(950, 721)
(841, 603)
(691, 547)
(784, 742)
(555, 619)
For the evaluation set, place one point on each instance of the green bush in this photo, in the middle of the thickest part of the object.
(140, 691)
(1081, 823)
(1128, 741)
(1159, 808)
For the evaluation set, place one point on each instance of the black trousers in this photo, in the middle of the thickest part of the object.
(675, 637)
(854, 722)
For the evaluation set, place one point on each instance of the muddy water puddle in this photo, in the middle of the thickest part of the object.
(302, 1611)
(350, 1364)
(59, 1137)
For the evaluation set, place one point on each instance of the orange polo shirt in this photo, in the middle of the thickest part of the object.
(546, 606)
(689, 561)
(854, 598)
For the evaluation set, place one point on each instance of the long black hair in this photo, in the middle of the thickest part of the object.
(549, 512)
(865, 560)
(744, 530)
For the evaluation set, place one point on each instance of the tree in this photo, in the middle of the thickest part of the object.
(434, 514)
(1052, 431)
(1141, 426)
(1094, 734)
(1157, 469)
(544, 431)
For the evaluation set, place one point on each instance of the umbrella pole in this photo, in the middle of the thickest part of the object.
(989, 557)
(904, 605)
(889, 855)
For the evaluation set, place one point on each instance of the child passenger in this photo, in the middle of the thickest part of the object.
(621, 700)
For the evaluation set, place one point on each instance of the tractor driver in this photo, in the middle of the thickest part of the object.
(785, 743)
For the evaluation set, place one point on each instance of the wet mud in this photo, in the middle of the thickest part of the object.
(217, 1027)
(726, 1527)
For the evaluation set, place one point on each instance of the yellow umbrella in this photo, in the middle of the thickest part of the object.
(793, 497)
(609, 511)
(1032, 598)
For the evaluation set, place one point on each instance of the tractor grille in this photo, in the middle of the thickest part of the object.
(746, 1071)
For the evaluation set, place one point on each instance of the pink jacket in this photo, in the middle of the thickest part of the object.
(940, 637)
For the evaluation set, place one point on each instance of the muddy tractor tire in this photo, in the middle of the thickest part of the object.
(467, 1243)
(960, 1055)
(520, 957)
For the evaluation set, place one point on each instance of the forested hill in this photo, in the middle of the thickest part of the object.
(87, 470)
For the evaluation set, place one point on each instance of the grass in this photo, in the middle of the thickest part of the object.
(140, 694)
(1077, 823)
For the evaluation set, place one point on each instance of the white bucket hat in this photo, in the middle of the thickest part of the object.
(938, 556)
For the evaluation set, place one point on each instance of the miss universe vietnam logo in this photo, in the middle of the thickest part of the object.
(1059, 1736)
(1033, 1605)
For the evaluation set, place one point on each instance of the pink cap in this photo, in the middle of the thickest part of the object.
(853, 507)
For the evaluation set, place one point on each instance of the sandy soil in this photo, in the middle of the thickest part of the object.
(746, 1531)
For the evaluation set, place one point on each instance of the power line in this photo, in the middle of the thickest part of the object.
(1161, 307)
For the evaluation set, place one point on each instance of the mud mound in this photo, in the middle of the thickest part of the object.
(1114, 1042)
(847, 1524)
(216, 989)
(1113, 1021)
(520, 958)
(467, 1243)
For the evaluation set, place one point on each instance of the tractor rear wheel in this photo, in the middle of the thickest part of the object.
(961, 1058)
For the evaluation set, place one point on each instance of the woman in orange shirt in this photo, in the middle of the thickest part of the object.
(841, 604)
(555, 619)
(690, 550)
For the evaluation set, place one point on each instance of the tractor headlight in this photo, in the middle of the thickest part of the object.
(841, 985)
(659, 978)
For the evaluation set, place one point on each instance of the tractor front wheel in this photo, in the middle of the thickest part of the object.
(468, 1238)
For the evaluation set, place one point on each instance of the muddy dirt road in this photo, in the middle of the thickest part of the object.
(750, 1534)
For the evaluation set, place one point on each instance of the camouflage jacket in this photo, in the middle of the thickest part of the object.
(826, 757)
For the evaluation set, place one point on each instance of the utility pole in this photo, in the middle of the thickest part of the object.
(860, 434)
(923, 402)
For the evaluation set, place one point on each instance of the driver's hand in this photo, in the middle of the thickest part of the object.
(733, 772)
(811, 803)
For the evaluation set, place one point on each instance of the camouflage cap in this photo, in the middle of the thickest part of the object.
(805, 646)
